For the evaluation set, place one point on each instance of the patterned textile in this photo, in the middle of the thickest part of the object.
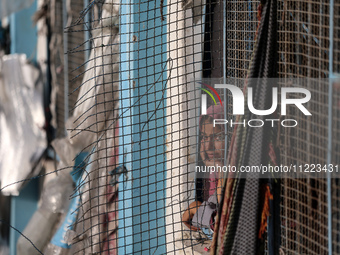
(244, 199)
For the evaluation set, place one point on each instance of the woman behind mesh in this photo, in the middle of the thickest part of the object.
(201, 215)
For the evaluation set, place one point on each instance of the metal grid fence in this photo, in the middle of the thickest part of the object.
(75, 61)
(335, 131)
(304, 52)
(164, 52)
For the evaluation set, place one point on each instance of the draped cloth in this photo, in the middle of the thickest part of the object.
(245, 200)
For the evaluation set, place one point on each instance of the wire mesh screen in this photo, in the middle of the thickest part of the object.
(135, 106)
(304, 52)
(241, 27)
(335, 128)
(76, 44)
(75, 61)
(93, 125)
(57, 57)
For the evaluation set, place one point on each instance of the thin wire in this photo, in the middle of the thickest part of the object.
(3, 221)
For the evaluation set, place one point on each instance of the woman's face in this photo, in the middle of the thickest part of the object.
(212, 143)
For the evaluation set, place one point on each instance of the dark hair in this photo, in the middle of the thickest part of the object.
(204, 118)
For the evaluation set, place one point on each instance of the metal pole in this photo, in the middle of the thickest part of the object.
(225, 100)
(65, 40)
(87, 27)
(330, 104)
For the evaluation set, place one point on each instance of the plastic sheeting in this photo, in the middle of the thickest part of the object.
(22, 138)
(8, 7)
(99, 89)
(91, 128)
